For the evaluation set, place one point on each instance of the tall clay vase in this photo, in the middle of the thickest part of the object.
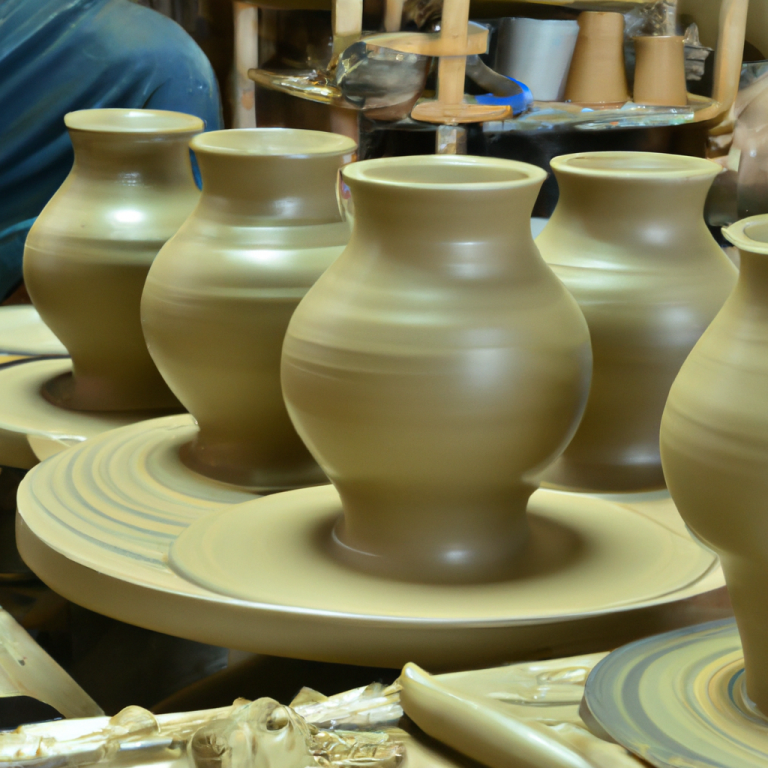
(628, 239)
(88, 253)
(714, 446)
(597, 76)
(437, 367)
(220, 294)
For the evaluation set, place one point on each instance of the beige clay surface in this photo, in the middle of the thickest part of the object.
(220, 293)
(628, 239)
(106, 549)
(265, 551)
(25, 413)
(22, 331)
(714, 445)
(88, 253)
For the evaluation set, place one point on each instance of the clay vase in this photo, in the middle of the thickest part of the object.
(714, 446)
(628, 239)
(88, 253)
(220, 294)
(437, 367)
(597, 77)
(660, 71)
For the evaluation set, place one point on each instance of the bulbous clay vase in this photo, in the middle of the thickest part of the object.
(660, 71)
(220, 294)
(628, 239)
(598, 76)
(437, 367)
(88, 253)
(714, 446)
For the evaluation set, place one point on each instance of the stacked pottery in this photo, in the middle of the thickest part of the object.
(628, 239)
(219, 296)
(88, 254)
(714, 446)
(437, 367)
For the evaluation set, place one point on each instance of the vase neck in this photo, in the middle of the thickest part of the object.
(753, 278)
(632, 210)
(141, 160)
(263, 188)
(467, 233)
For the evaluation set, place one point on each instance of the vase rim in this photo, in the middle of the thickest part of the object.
(445, 172)
(635, 165)
(132, 121)
(273, 142)
(750, 234)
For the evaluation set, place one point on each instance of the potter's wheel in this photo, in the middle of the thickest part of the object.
(31, 428)
(22, 332)
(677, 700)
(82, 528)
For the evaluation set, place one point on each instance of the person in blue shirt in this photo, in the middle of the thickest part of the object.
(57, 56)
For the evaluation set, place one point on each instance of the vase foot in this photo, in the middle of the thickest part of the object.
(78, 393)
(235, 467)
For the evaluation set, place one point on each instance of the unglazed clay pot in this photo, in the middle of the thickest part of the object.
(714, 446)
(437, 367)
(597, 76)
(220, 294)
(88, 253)
(660, 71)
(628, 239)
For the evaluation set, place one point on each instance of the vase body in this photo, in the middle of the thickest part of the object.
(437, 367)
(219, 296)
(660, 71)
(714, 446)
(598, 76)
(628, 239)
(88, 253)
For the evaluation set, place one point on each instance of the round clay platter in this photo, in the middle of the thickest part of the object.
(23, 332)
(120, 526)
(677, 700)
(31, 428)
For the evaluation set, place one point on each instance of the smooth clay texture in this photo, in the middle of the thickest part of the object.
(88, 254)
(660, 71)
(220, 294)
(629, 241)
(714, 446)
(597, 76)
(437, 367)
